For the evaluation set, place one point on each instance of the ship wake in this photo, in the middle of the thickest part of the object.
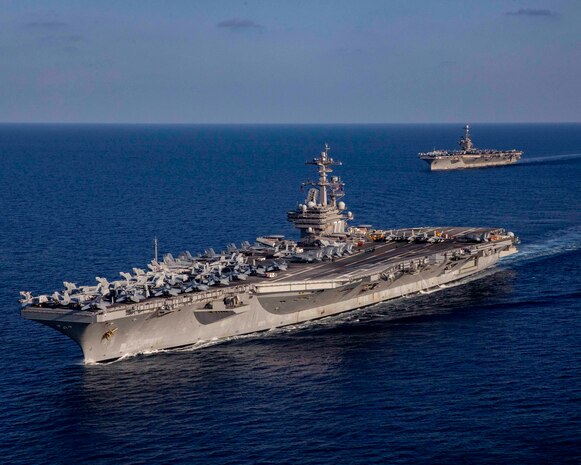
(559, 242)
(551, 158)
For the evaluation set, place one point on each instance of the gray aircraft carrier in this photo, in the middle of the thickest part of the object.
(274, 282)
(468, 156)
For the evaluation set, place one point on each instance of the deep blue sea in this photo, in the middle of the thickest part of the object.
(484, 373)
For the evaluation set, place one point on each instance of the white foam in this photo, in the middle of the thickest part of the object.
(560, 242)
(568, 156)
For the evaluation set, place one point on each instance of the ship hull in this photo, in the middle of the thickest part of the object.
(464, 162)
(190, 320)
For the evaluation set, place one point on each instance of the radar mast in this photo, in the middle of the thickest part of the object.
(322, 215)
(327, 190)
(466, 141)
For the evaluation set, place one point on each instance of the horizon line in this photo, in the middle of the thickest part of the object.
(127, 123)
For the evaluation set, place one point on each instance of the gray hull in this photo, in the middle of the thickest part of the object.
(304, 293)
(463, 162)
(469, 156)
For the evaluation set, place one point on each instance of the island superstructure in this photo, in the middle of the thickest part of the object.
(468, 156)
(274, 282)
(322, 214)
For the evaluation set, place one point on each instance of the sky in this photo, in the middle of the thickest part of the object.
(294, 61)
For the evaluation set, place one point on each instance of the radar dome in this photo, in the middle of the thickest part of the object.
(304, 208)
(349, 215)
(311, 204)
(341, 205)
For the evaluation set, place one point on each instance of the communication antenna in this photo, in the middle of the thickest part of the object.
(155, 249)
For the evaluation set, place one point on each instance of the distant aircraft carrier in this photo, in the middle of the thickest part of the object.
(469, 156)
(274, 282)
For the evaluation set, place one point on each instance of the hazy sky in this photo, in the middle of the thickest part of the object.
(290, 62)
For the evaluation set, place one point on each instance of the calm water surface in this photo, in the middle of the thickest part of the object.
(487, 372)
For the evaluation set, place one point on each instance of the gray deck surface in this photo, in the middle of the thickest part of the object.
(360, 262)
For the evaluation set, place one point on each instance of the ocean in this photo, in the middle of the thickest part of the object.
(488, 372)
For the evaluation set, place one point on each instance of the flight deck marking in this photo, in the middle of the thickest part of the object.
(382, 253)
(379, 264)
(326, 264)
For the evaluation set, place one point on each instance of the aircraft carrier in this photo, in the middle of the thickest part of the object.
(468, 156)
(332, 268)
